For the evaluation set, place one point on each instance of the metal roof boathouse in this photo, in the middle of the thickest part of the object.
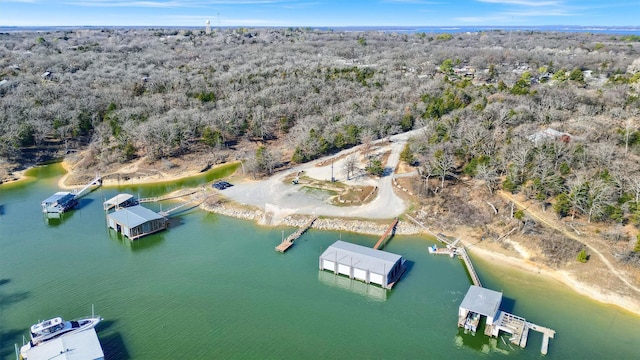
(81, 345)
(479, 302)
(59, 202)
(363, 263)
(136, 221)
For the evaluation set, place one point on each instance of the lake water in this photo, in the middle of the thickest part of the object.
(213, 287)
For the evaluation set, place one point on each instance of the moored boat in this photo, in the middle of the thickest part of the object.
(47, 330)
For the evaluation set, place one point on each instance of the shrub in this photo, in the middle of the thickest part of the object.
(582, 256)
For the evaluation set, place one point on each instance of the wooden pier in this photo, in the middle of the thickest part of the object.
(515, 325)
(288, 242)
(97, 181)
(462, 253)
(194, 202)
(546, 335)
(519, 329)
(169, 196)
(380, 244)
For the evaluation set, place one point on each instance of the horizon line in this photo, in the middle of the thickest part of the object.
(342, 26)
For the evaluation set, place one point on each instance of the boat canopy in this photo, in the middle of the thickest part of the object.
(45, 325)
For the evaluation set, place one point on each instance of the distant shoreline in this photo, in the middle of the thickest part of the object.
(613, 30)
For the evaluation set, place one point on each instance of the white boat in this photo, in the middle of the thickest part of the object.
(55, 328)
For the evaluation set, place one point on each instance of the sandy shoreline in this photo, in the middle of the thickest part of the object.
(629, 304)
(368, 227)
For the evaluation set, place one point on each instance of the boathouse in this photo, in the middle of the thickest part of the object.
(120, 201)
(476, 303)
(136, 221)
(59, 202)
(74, 346)
(363, 263)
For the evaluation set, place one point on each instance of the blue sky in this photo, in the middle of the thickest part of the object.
(319, 12)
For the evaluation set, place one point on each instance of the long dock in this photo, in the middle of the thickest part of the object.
(519, 329)
(194, 202)
(515, 325)
(97, 181)
(288, 242)
(462, 253)
(546, 335)
(169, 196)
(385, 236)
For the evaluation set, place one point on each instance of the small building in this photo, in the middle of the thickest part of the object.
(550, 134)
(476, 303)
(120, 201)
(363, 263)
(59, 202)
(136, 221)
(81, 345)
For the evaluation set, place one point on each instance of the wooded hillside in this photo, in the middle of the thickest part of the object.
(551, 115)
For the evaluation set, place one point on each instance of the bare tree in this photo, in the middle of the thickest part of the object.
(349, 165)
(443, 161)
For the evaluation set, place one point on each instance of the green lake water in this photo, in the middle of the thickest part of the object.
(213, 287)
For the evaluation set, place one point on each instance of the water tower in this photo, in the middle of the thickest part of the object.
(208, 28)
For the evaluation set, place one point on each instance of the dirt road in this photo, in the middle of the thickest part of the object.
(281, 198)
(540, 218)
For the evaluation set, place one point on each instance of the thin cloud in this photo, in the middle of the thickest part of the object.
(551, 12)
(413, 2)
(171, 3)
(478, 20)
(302, 5)
(523, 2)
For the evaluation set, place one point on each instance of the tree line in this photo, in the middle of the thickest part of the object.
(552, 115)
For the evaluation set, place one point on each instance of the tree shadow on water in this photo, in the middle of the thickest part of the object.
(7, 299)
(114, 347)
(8, 338)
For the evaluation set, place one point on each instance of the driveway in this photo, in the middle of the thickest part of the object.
(282, 199)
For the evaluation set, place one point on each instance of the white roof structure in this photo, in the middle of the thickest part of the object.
(482, 301)
(56, 197)
(116, 200)
(362, 257)
(82, 345)
(547, 134)
(134, 216)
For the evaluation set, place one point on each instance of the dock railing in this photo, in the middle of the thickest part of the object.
(288, 242)
(97, 181)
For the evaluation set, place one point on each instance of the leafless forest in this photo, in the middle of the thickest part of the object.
(552, 115)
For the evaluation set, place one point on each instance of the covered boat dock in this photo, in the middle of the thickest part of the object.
(136, 221)
(479, 302)
(120, 201)
(363, 263)
(59, 202)
(81, 345)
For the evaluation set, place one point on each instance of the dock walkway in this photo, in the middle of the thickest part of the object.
(169, 196)
(288, 242)
(386, 234)
(195, 201)
(515, 325)
(97, 181)
(546, 335)
(462, 253)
